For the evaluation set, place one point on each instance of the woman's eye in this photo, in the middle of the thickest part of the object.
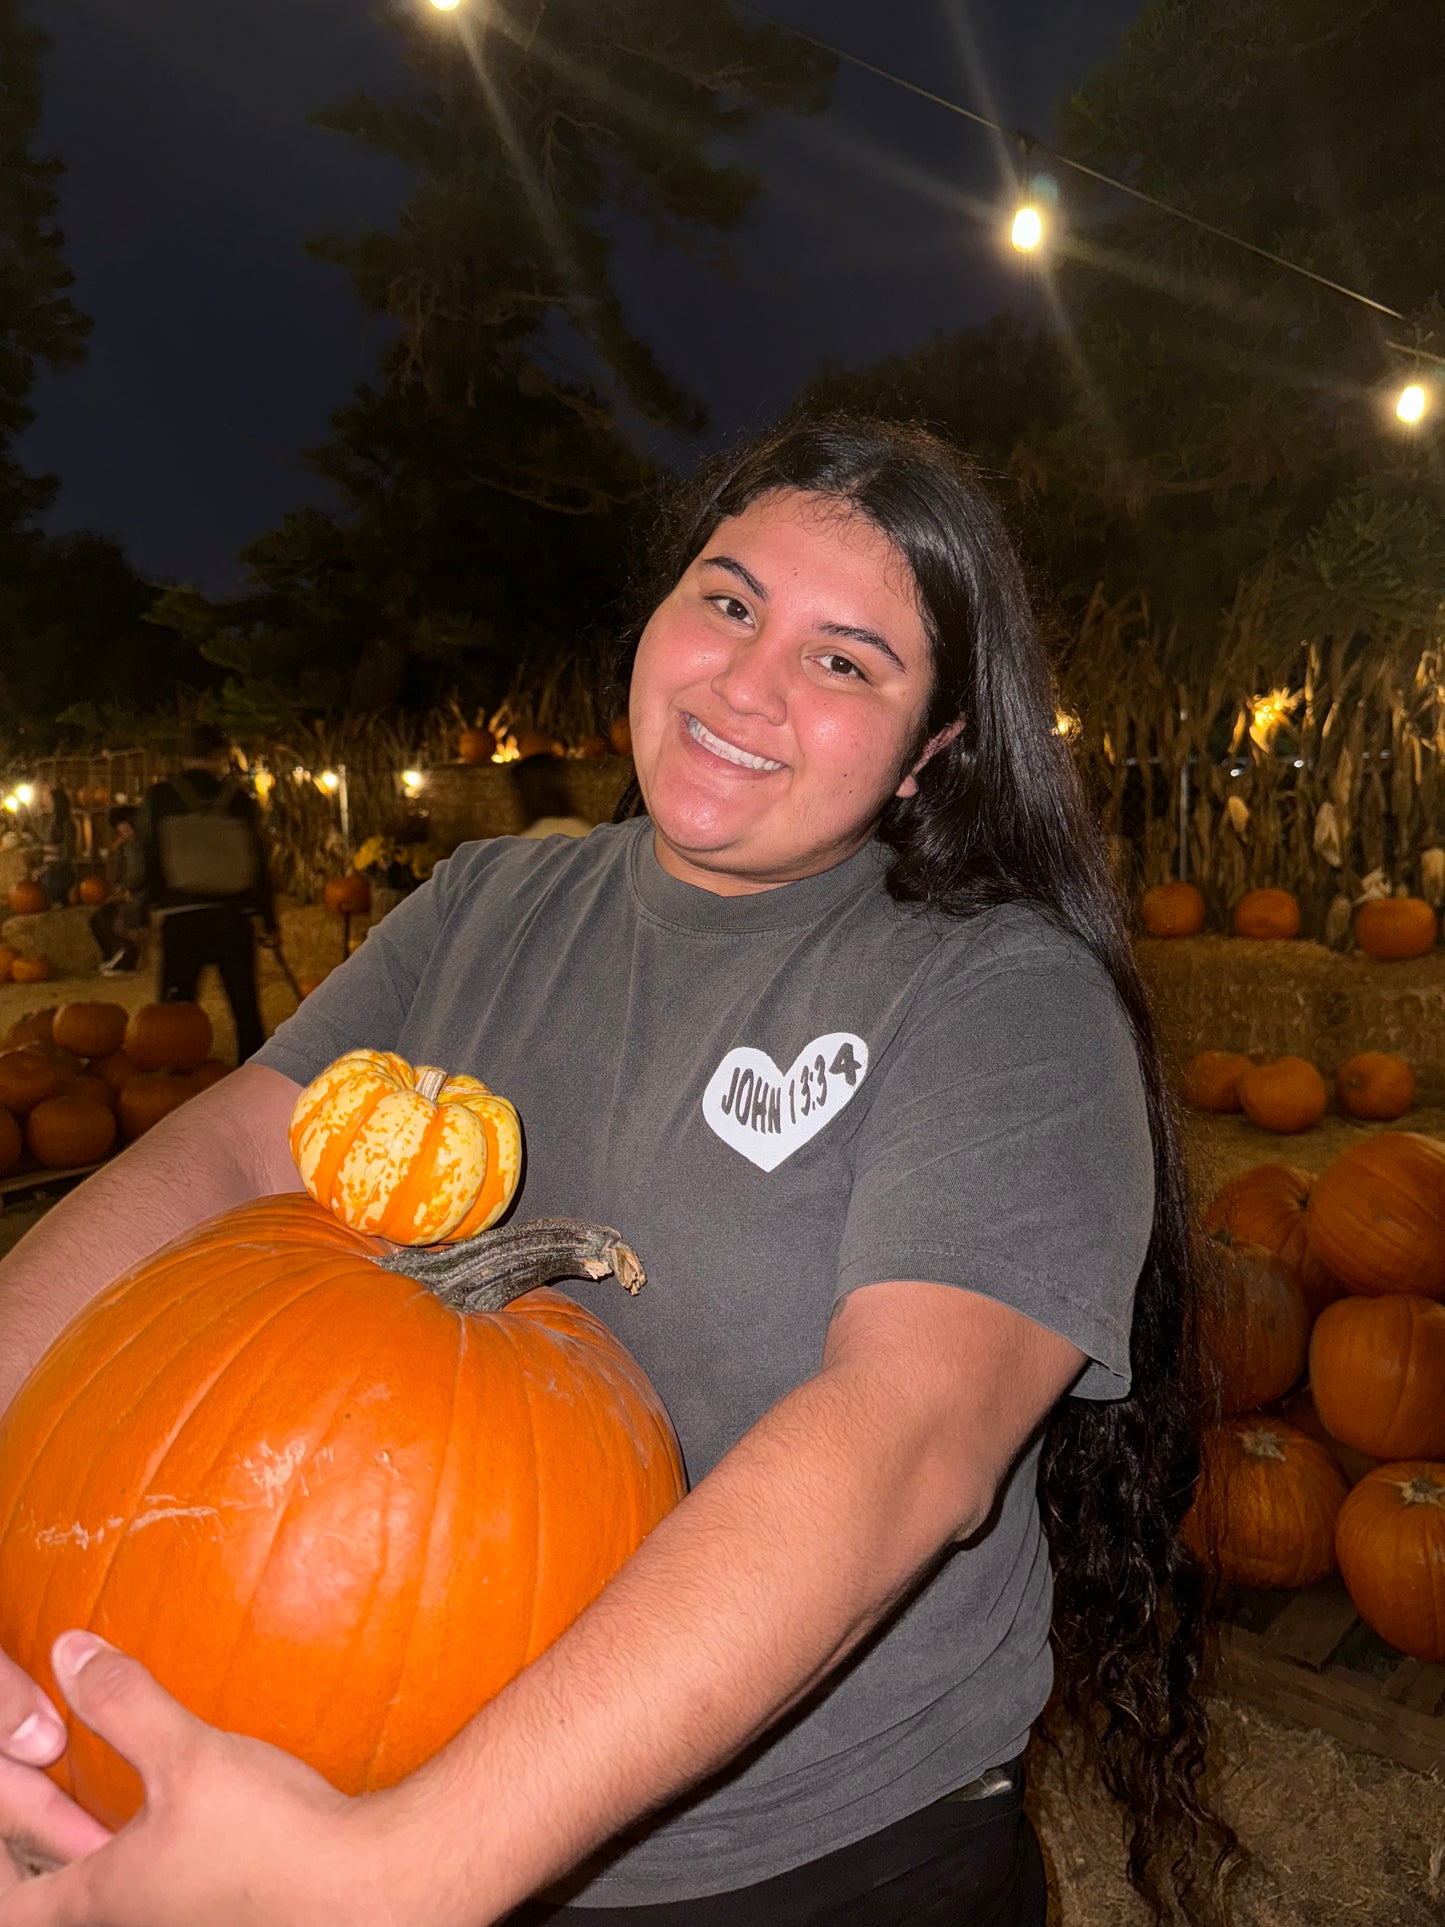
(730, 606)
(837, 665)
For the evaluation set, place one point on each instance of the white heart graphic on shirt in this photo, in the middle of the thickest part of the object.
(767, 1114)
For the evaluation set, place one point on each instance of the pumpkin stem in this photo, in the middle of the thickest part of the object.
(1421, 1490)
(1258, 1443)
(487, 1272)
(430, 1082)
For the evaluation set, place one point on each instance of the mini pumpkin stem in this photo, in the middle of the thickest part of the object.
(1421, 1490)
(1258, 1443)
(430, 1082)
(487, 1272)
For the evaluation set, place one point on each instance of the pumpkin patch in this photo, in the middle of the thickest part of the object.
(1265, 1511)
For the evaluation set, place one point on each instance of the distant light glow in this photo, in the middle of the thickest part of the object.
(25, 792)
(446, 6)
(1027, 230)
(1412, 403)
(412, 780)
(329, 780)
(12, 802)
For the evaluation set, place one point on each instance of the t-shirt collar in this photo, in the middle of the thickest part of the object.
(791, 906)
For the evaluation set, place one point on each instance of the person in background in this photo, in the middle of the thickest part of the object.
(544, 799)
(56, 830)
(207, 878)
(117, 920)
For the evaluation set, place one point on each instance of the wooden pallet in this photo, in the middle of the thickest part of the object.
(28, 1178)
(1307, 1656)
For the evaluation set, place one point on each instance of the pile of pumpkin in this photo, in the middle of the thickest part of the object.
(1326, 1329)
(478, 744)
(1289, 1094)
(75, 1077)
(26, 899)
(1388, 929)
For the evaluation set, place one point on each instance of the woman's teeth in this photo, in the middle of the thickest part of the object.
(728, 751)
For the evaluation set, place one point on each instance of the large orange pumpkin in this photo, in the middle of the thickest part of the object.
(65, 1131)
(7, 960)
(1172, 910)
(1376, 1216)
(1256, 1328)
(327, 1508)
(476, 746)
(90, 1030)
(411, 1155)
(27, 1078)
(619, 734)
(1211, 1080)
(1266, 913)
(1286, 1096)
(148, 1097)
(168, 1037)
(1266, 1206)
(1375, 1085)
(1393, 928)
(1390, 1538)
(1300, 1409)
(27, 898)
(349, 895)
(31, 970)
(1264, 1514)
(115, 1070)
(1377, 1369)
(93, 890)
(11, 1142)
(35, 1027)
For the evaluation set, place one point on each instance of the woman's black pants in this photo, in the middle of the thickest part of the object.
(958, 1863)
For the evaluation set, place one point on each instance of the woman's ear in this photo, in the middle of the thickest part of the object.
(909, 785)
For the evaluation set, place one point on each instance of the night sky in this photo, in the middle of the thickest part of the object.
(220, 350)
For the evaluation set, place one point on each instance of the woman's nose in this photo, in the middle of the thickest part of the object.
(753, 682)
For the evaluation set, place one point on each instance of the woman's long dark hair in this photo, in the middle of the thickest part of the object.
(1000, 817)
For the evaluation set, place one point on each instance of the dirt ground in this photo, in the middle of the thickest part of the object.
(1338, 1837)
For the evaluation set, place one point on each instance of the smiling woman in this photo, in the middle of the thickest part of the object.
(886, 1121)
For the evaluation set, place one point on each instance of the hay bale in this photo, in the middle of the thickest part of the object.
(1278, 999)
(62, 935)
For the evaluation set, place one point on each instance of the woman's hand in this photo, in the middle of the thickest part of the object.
(38, 1825)
(233, 1833)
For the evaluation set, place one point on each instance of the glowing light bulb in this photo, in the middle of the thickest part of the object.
(1412, 402)
(412, 780)
(446, 6)
(12, 803)
(329, 780)
(1027, 230)
(25, 792)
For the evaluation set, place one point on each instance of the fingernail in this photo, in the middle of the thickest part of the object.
(37, 1740)
(72, 1651)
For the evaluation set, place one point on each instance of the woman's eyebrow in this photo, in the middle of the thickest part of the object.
(847, 631)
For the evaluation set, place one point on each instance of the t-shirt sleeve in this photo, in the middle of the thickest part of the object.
(1007, 1150)
(363, 1003)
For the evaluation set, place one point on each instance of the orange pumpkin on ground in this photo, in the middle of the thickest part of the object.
(95, 1089)
(531, 742)
(35, 1027)
(7, 959)
(1376, 1215)
(1286, 1096)
(30, 970)
(93, 890)
(27, 898)
(619, 734)
(1391, 929)
(411, 1155)
(348, 896)
(1211, 1080)
(115, 1070)
(1377, 1370)
(168, 1037)
(1172, 910)
(1390, 1539)
(90, 1030)
(12, 1143)
(387, 1487)
(1373, 1084)
(1266, 1206)
(148, 1097)
(27, 1078)
(592, 748)
(1256, 1328)
(210, 1072)
(1300, 1409)
(1267, 914)
(65, 1131)
(1264, 1514)
(476, 746)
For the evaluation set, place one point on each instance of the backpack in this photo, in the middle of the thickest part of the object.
(207, 852)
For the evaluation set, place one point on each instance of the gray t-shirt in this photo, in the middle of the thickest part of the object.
(780, 1098)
